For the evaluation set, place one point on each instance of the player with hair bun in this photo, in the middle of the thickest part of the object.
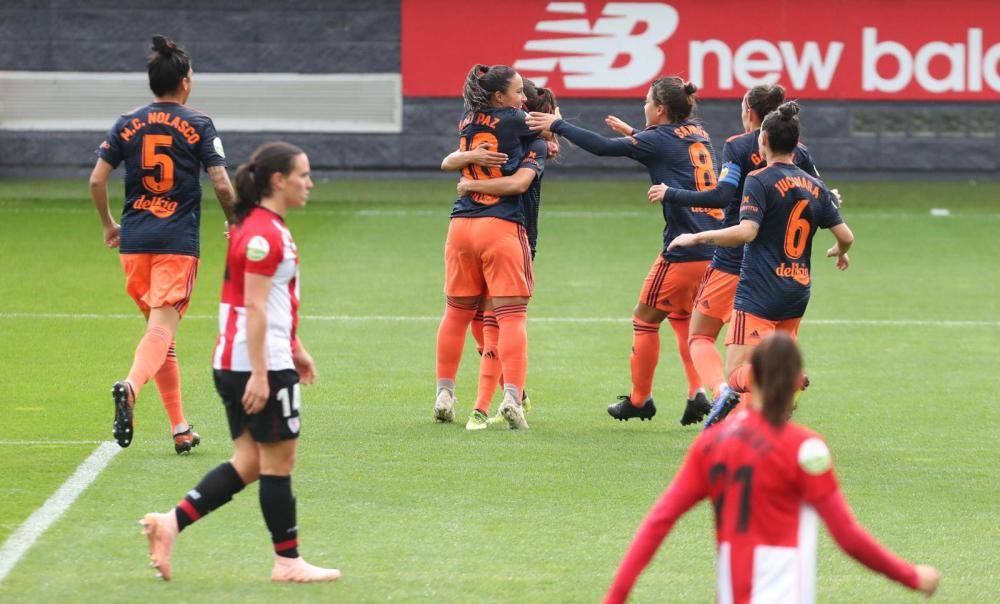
(487, 248)
(782, 207)
(526, 182)
(258, 364)
(164, 146)
(714, 304)
(676, 150)
(768, 480)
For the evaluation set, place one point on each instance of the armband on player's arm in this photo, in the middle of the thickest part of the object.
(515, 184)
(719, 197)
(859, 544)
(224, 191)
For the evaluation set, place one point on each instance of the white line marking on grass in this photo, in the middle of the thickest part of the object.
(28, 443)
(54, 507)
(404, 318)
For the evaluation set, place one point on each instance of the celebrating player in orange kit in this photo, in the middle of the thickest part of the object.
(768, 479)
(782, 208)
(164, 146)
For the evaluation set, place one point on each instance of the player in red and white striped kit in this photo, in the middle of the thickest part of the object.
(259, 362)
(768, 480)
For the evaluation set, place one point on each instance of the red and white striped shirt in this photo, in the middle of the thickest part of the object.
(261, 244)
(768, 486)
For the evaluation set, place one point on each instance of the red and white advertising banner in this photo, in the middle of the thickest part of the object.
(832, 49)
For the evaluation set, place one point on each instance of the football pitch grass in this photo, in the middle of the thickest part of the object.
(901, 349)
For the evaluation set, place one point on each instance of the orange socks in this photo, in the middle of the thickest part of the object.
(512, 321)
(451, 340)
(645, 355)
(489, 364)
(739, 379)
(168, 382)
(477, 330)
(680, 327)
(707, 360)
(149, 357)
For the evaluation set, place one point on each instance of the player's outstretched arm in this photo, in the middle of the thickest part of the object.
(719, 197)
(481, 155)
(99, 193)
(860, 545)
(744, 232)
(224, 191)
(514, 184)
(587, 140)
(845, 239)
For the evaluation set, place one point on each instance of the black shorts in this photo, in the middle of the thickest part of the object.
(278, 420)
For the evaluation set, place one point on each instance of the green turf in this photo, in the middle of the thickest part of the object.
(413, 511)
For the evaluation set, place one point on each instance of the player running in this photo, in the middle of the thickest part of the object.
(676, 151)
(487, 246)
(164, 145)
(782, 207)
(767, 479)
(714, 303)
(259, 362)
(526, 182)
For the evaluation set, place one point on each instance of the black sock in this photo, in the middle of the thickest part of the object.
(215, 490)
(278, 506)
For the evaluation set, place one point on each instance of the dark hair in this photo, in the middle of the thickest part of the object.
(765, 98)
(539, 98)
(676, 95)
(777, 373)
(253, 179)
(782, 127)
(168, 65)
(482, 82)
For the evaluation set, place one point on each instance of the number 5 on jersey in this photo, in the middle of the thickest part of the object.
(152, 160)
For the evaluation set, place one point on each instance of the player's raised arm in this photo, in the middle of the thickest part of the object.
(224, 191)
(587, 140)
(99, 193)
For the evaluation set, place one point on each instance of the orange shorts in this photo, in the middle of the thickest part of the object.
(749, 330)
(716, 294)
(671, 286)
(487, 254)
(155, 280)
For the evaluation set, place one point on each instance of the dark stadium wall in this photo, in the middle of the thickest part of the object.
(872, 138)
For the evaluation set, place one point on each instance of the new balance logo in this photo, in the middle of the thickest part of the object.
(607, 55)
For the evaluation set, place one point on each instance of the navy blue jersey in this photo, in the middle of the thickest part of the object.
(789, 205)
(740, 157)
(531, 200)
(677, 155)
(164, 147)
(504, 129)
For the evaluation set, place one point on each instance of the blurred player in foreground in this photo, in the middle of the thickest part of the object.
(768, 479)
(259, 362)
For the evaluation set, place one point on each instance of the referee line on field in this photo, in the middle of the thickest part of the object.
(21, 540)
(533, 319)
